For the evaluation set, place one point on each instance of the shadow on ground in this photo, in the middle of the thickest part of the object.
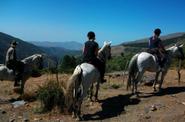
(166, 91)
(112, 107)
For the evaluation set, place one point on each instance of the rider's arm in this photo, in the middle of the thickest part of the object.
(96, 51)
(161, 46)
(9, 54)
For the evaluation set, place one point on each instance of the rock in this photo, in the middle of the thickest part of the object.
(37, 119)
(153, 108)
(147, 117)
(183, 103)
(147, 110)
(2, 111)
(26, 117)
(18, 103)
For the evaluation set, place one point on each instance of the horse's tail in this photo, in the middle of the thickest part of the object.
(73, 82)
(132, 69)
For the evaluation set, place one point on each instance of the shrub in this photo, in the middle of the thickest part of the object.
(51, 94)
(115, 86)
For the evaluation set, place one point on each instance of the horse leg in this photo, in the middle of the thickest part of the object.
(132, 83)
(22, 87)
(97, 89)
(178, 71)
(139, 77)
(79, 111)
(133, 86)
(156, 79)
(162, 79)
(179, 77)
(74, 115)
(91, 92)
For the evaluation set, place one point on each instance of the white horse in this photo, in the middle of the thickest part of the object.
(144, 61)
(82, 79)
(31, 64)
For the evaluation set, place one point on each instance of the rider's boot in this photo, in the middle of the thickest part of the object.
(17, 80)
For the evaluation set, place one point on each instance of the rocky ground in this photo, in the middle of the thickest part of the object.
(115, 105)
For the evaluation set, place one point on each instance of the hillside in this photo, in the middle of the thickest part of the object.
(142, 44)
(71, 45)
(24, 49)
(59, 51)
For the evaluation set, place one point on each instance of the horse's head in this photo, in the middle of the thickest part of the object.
(178, 51)
(38, 61)
(105, 52)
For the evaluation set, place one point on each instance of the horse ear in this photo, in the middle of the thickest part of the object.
(109, 43)
(104, 43)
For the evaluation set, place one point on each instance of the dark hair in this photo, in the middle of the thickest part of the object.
(91, 35)
(14, 42)
(157, 31)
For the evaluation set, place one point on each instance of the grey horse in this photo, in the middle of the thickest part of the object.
(30, 64)
(82, 80)
(144, 61)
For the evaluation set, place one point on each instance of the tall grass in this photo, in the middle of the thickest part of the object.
(51, 95)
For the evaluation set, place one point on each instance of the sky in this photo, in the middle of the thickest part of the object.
(70, 20)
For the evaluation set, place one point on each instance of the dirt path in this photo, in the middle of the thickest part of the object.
(115, 105)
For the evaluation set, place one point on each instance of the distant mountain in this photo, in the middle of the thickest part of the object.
(24, 49)
(59, 51)
(165, 37)
(71, 45)
(142, 44)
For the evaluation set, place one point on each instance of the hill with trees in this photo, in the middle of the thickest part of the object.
(25, 49)
(122, 53)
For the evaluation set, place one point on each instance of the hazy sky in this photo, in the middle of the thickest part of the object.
(70, 20)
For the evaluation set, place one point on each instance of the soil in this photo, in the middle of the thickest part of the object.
(115, 104)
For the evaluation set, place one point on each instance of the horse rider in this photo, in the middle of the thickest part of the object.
(12, 63)
(157, 48)
(90, 53)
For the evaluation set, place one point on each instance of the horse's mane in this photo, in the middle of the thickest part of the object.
(102, 49)
(29, 59)
(101, 52)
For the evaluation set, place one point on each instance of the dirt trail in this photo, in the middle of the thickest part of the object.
(115, 105)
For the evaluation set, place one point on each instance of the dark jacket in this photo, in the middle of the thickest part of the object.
(90, 48)
(155, 43)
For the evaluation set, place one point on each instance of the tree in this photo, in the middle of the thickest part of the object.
(68, 64)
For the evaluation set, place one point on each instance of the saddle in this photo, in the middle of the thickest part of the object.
(159, 58)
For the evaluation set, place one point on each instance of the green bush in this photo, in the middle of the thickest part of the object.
(115, 86)
(51, 94)
(118, 63)
(68, 64)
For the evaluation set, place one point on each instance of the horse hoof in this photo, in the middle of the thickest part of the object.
(96, 100)
(73, 115)
(79, 118)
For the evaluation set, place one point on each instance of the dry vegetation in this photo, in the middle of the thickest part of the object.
(115, 103)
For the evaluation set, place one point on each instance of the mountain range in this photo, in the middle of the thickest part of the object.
(25, 49)
(142, 44)
(71, 45)
(57, 50)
